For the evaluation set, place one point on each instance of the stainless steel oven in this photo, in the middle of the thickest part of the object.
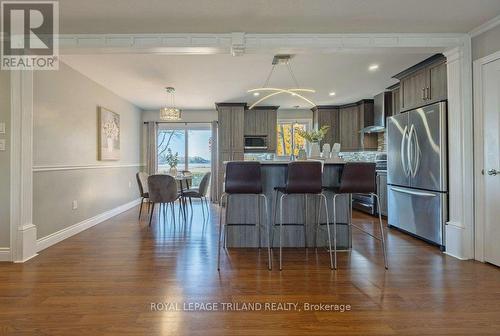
(256, 143)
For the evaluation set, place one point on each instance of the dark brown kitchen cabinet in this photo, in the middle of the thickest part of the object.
(272, 132)
(346, 123)
(250, 122)
(327, 115)
(262, 121)
(424, 83)
(438, 82)
(382, 192)
(396, 99)
(230, 138)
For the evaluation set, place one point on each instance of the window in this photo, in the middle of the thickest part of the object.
(192, 144)
(288, 138)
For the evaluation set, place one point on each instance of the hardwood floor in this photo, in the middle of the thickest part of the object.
(104, 280)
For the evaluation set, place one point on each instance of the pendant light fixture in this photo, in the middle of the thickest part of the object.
(282, 60)
(170, 112)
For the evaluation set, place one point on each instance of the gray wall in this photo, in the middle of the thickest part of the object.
(5, 160)
(487, 43)
(65, 133)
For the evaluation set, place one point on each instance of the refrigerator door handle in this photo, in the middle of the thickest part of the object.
(404, 156)
(409, 151)
(412, 192)
(416, 152)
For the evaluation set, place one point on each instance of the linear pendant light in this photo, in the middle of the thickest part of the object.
(296, 92)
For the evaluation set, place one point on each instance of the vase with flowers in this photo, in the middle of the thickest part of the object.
(314, 137)
(172, 160)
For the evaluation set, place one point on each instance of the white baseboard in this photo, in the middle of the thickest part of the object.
(74, 229)
(5, 254)
(457, 245)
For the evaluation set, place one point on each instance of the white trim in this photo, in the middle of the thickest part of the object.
(5, 254)
(479, 153)
(85, 166)
(22, 230)
(74, 229)
(459, 230)
(485, 26)
(239, 43)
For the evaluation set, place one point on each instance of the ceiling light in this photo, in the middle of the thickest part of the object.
(256, 94)
(170, 112)
(283, 61)
(331, 94)
(373, 67)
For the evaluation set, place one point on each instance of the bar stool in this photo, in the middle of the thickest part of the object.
(303, 177)
(243, 178)
(357, 178)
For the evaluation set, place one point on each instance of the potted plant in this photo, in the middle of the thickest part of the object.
(173, 161)
(314, 137)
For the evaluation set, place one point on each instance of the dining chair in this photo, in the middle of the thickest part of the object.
(142, 182)
(200, 192)
(162, 190)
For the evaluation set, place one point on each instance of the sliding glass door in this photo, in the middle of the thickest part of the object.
(190, 142)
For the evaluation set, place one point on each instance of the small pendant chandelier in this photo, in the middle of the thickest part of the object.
(296, 91)
(170, 112)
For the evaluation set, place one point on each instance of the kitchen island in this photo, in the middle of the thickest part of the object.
(243, 209)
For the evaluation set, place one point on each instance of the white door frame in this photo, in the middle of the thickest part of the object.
(457, 48)
(479, 153)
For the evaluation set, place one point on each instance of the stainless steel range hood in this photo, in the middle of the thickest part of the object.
(381, 108)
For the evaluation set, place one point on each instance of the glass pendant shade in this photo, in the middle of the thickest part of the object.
(170, 113)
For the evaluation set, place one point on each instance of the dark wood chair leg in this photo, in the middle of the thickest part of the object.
(151, 215)
(140, 209)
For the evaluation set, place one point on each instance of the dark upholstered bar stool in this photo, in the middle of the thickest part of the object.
(357, 178)
(243, 178)
(303, 177)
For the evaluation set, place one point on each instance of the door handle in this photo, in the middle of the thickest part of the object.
(404, 156)
(493, 172)
(427, 93)
(423, 93)
(412, 192)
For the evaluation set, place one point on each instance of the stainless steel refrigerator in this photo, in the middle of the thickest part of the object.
(417, 172)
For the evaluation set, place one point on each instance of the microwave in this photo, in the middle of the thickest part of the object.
(256, 142)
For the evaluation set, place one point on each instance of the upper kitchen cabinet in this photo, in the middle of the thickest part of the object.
(327, 115)
(395, 98)
(262, 121)
(423, 83)
(231, 127)
(346, 123)
(353, 118)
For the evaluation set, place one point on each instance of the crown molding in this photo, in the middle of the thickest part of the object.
(485, 26)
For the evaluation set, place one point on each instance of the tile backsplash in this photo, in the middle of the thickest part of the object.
(367, 156)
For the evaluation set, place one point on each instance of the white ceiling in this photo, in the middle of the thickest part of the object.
(202, 80)
(274, 16)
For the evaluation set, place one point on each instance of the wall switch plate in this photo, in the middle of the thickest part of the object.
(2, 128)
(2, 145)
(75, 205)
(129, 184)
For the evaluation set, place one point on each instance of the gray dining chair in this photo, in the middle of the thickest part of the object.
(163, 191)
(200, 192)
(142, 182)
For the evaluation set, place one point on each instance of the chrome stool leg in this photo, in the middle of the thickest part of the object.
(305, 223)
(221, 204)
(281, 231)
(328, 230)
(269, 261)
(382, 238)
(335, 228)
